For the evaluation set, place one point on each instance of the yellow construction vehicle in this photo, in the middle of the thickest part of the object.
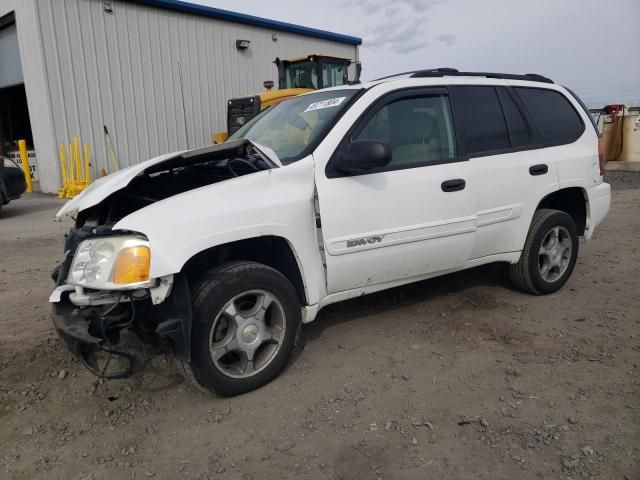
(295, 76)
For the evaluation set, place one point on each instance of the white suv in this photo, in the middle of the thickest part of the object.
(223, 252)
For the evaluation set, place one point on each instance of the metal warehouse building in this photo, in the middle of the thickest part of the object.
(157, 73)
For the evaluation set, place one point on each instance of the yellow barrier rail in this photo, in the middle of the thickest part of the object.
(76, 171)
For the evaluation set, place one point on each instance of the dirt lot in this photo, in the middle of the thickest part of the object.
(460, 377)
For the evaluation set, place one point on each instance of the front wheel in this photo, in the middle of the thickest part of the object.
(246, 317)
(549, 253)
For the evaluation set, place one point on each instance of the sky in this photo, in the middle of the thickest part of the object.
(591, 46)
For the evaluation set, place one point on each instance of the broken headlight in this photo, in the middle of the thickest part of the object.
(111, 263)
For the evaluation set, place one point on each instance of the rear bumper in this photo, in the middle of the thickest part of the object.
(13, 186)
(599, 203)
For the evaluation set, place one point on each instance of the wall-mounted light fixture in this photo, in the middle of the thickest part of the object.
(242, 44)
(274, 37)
(108, 7)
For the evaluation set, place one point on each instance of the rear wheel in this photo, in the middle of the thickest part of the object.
(549, 254)
(246, 319)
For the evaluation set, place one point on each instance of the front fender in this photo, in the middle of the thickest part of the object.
(277, 202)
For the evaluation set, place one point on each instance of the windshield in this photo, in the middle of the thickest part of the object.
(291, 126)
(333, 74)
(302, 75)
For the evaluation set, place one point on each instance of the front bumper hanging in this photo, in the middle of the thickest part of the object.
(77, 333)
(89, 322)
(88, 331)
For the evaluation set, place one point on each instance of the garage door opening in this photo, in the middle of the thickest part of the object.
(15, 123)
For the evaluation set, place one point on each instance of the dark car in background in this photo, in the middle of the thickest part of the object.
(12, 182)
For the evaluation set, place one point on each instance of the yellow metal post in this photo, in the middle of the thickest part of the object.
(71, 164)
(76, 144)
(87, 165)
(65, 174)
(22, 146)
(63, 165)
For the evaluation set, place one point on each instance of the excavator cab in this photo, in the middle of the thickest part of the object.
(314, 72)
(295, 77)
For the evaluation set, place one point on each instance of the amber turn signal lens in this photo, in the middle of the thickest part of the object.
(132, 265)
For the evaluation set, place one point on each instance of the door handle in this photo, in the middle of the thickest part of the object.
(540, 169)
(453, 185)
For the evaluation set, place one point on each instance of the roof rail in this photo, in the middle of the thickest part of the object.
(394, 75)
(443, 70)
(452, 72)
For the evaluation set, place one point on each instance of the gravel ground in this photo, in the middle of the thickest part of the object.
(460, 377)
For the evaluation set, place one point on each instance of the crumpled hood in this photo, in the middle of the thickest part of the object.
(105, 186)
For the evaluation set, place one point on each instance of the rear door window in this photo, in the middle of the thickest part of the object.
(480, 113)
(554, 116)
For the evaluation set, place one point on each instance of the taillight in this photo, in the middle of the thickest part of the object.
(601, 157)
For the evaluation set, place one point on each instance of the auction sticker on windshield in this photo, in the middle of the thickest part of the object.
(331, 102)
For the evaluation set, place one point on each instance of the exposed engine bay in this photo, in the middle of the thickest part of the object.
(179, 174)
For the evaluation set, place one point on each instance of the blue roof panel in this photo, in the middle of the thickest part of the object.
(228, 15)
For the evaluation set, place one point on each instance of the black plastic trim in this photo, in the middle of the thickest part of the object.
(535, 139)
(175, 317)
(502, 92)
(504, 151)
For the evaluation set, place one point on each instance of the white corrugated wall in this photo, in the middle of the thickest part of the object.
(123, 70)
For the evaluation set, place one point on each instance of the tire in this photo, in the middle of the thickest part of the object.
(232, 350)
(544, 266)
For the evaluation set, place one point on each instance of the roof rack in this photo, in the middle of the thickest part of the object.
(452, 72)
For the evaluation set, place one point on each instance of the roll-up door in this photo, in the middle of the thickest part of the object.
(10, 66)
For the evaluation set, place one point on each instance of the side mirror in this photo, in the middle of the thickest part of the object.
(356, 80)
(362, 155)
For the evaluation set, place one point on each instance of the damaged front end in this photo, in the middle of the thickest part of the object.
(91, 321)
(105, 287)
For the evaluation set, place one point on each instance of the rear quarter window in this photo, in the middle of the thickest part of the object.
(554, 116)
